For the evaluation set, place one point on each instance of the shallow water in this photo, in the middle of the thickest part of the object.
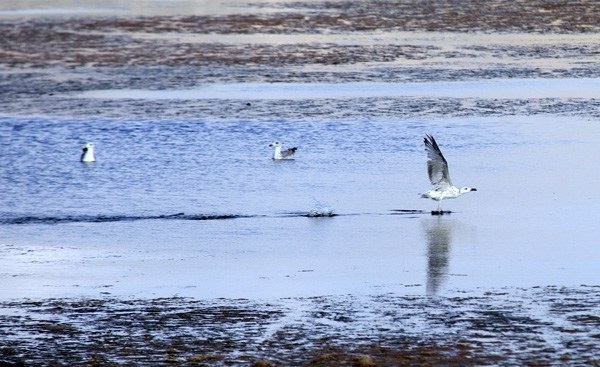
(501, 89)
(184, 198)
(61, 8)
(199, 209)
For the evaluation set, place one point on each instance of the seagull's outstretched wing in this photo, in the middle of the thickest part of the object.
(437, 167)
(288, 152)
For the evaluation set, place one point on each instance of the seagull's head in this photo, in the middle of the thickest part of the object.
(88, 147)
(467, 189)
(276, 144)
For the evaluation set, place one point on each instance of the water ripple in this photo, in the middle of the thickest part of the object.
(30, 219)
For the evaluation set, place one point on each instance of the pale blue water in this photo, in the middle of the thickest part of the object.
(152, 216)
(496, 88)
(37, 8)
(195, 167)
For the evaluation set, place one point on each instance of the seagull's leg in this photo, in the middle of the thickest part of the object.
(439, 209)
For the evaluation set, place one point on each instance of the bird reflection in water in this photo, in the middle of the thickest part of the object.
(438, 232)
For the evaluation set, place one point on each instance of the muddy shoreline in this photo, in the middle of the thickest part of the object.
(540, 326)
(45, 62)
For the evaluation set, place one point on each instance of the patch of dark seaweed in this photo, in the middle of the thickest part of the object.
(352, 16)
(112, 42)
(502, 327)
(342, 109)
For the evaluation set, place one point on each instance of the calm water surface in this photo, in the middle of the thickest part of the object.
(185, 200)
(198, 208)
(36, 8)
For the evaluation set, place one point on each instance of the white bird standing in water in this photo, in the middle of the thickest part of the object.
(88, 153)
(282, 154)
(437, 168)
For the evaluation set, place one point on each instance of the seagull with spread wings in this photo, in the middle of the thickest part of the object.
(437, 168)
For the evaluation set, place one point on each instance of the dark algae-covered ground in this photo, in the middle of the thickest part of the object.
(46, 62)
(541, 326)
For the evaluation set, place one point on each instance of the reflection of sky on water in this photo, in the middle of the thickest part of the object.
(499, 88)
(20, 8)
(533, 221)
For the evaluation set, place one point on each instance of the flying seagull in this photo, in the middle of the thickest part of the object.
(437, 168)
(282, 154)
(88, 153)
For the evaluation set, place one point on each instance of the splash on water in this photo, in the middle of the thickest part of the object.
(321, 210)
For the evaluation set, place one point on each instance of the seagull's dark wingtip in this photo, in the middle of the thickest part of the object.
(431, 143)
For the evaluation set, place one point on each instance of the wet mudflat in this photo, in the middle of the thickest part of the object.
(80, 271)
(45, 59)
(539, 326)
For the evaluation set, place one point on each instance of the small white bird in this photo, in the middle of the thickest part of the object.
(282, 154)
(88, 153)
(437, 168)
